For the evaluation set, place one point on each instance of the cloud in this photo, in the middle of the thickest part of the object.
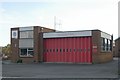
(74, 15)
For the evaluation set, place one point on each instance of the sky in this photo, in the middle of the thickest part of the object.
(69, 15)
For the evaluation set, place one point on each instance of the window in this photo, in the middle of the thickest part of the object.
(102, 44)
(74, 50)
(23, 52)
(26, 34)
(27, 52)
(80, 50)
(70, 50)
(85, 50)
(56, 50)
(50, 50)
(53, 50)
(63, 50)
(30, 51)
(47, 50)
(88, 49)
(60, 50)
(109, 49)
(106, 44)
(66, 50)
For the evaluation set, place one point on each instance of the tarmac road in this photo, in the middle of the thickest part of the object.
(63, 71)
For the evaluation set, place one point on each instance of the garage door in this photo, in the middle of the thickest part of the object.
(75, 50)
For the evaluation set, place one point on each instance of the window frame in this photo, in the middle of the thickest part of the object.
(28, 34)
(27, 54)
(106, 45)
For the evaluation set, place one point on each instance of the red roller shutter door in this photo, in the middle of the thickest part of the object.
(64, 42)
(58, 47)
(58, 53)
(47, 55)
(67, 53)
(56, 50)
(84, 49)
(44, 53)
(51, 50)
(50, 53)
(89, 50)
(71, 40)
(69, 50)
(59, 56)
(65, 47)
(76, 50)
(80, 51)
(63, 51)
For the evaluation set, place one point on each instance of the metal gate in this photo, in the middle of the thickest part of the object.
(75, 50)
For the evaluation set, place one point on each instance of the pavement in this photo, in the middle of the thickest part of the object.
(104, 71)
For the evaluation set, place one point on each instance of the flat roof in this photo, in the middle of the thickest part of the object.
(61, 34)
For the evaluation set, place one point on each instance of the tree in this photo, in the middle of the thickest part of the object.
(6, 50)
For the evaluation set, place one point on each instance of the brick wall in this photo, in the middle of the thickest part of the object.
(102, 57)
(117, 47)
(99, 56)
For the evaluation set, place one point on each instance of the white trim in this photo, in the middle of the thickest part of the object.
(28, 55)
(67, 34)
(105, 35)
(26, 28)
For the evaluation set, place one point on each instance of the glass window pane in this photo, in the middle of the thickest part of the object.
(70, 50)
(23, 52)
(30, 48)
(105, 44)
(50, 50)
(30, 53)
(60, 50)
(66, 50)
(26, 34)
(111, 45)
(108, 45)
(30, 34)
(56, 50)
(63, 50)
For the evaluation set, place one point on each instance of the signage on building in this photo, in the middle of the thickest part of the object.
(15, 34)
(94, 48)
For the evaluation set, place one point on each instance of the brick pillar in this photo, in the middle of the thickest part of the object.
(38, 44)
(14, 45)
(96, 45)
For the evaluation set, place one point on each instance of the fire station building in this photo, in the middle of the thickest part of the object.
(40, 44)
(117, 47)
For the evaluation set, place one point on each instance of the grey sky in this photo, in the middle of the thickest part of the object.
(72, 14)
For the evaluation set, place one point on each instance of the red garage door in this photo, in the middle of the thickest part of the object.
(75, 50)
